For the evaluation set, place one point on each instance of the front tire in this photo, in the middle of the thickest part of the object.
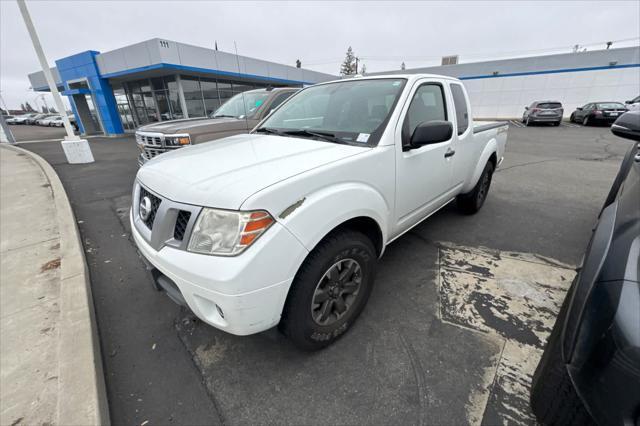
(330, 290)
(528, 122)
(554, 400)
(472, 201)
(585, 121)
(572, 119)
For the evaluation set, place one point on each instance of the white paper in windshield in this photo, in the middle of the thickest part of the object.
(363, 137)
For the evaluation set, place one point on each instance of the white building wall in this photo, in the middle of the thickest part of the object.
(574, 79)
(506, 97)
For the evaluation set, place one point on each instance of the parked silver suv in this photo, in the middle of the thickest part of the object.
(239, 114)
(543, 112)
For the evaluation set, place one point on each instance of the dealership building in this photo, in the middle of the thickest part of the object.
(156, 80)
(502, 88)
(115, 92)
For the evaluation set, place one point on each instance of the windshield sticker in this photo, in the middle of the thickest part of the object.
(258, 103)
(363, 137)
(396, 83)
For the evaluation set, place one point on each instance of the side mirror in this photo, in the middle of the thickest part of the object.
(628, 102)
(431, 132)
(579, 108)
(526, 107)
(627, 126)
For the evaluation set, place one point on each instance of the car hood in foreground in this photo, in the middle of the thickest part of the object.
(226, 172)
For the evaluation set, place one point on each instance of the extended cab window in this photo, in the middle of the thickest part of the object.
(427, 105)
(460, 102)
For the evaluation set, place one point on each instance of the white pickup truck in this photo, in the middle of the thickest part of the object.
(285, 225)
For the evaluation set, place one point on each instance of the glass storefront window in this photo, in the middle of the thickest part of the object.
(210, 94)
(193, 96)
(157, 83)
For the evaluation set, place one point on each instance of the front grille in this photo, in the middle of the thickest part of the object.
(151, 152)
(181, 224)
(155, 204)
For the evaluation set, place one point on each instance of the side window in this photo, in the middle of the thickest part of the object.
(587, 107)
(427, 105)
(460, 102)
(279, 99)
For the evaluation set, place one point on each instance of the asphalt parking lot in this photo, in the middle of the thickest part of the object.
(451, 334)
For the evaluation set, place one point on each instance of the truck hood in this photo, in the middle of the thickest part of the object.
(226, 172)
(186, 125)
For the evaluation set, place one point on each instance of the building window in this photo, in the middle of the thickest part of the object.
(193, 96)
(210, 95)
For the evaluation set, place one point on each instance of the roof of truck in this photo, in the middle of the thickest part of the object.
(392, 76)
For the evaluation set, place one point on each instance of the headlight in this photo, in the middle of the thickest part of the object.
(227, 233)
(177, 140)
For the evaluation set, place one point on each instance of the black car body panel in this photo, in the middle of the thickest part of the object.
(601, 332)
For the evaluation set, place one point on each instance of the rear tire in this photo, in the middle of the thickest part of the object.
(472, 201)
(554, 400)
(557, 123)
(319, 287)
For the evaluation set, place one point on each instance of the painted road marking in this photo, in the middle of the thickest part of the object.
(511, 297)
(571, 125)
(516, 123)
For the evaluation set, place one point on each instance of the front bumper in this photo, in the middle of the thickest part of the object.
(241, 295)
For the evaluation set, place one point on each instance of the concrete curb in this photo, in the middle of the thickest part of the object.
(82, 396)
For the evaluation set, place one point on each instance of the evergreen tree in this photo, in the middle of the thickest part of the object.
(52, 110)
(28, 107)
(403, 66)
(364, 69)
(22, 107)
(348, 66)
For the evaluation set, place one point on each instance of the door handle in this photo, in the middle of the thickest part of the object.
(450, 153)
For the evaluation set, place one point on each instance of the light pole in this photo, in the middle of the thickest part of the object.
(76, 150)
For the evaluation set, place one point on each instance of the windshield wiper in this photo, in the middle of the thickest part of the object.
(321, 135)
(269, 130)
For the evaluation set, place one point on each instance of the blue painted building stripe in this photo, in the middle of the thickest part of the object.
(167, 66)
(558, 71)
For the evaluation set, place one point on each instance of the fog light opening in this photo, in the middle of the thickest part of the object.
(220, 311)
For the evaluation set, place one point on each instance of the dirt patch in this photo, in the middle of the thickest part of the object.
(50, 265)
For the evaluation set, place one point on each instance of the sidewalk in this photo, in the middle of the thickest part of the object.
(51, 371)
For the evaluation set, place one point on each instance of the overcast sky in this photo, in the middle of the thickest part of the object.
(383, 34)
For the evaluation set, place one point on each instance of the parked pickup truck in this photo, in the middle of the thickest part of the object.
(238, 115)
(285, 225)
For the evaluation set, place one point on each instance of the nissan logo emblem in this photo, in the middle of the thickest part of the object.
(145, 208)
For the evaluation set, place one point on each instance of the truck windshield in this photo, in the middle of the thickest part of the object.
(247, 103)
(352, 111)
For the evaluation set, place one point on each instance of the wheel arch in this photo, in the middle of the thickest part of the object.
(489, 154)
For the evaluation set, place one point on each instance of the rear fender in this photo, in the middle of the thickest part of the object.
(490, 148)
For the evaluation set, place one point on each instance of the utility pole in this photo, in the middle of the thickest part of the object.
(357, 59)
(76, 150)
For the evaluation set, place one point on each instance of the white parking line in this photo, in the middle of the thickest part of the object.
(516, 123)
(572, 125)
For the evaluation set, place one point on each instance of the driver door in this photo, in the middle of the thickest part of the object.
(424, 175)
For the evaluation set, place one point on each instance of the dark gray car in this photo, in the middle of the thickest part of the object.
(543, 112)
(238, 115)
(590, 369)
